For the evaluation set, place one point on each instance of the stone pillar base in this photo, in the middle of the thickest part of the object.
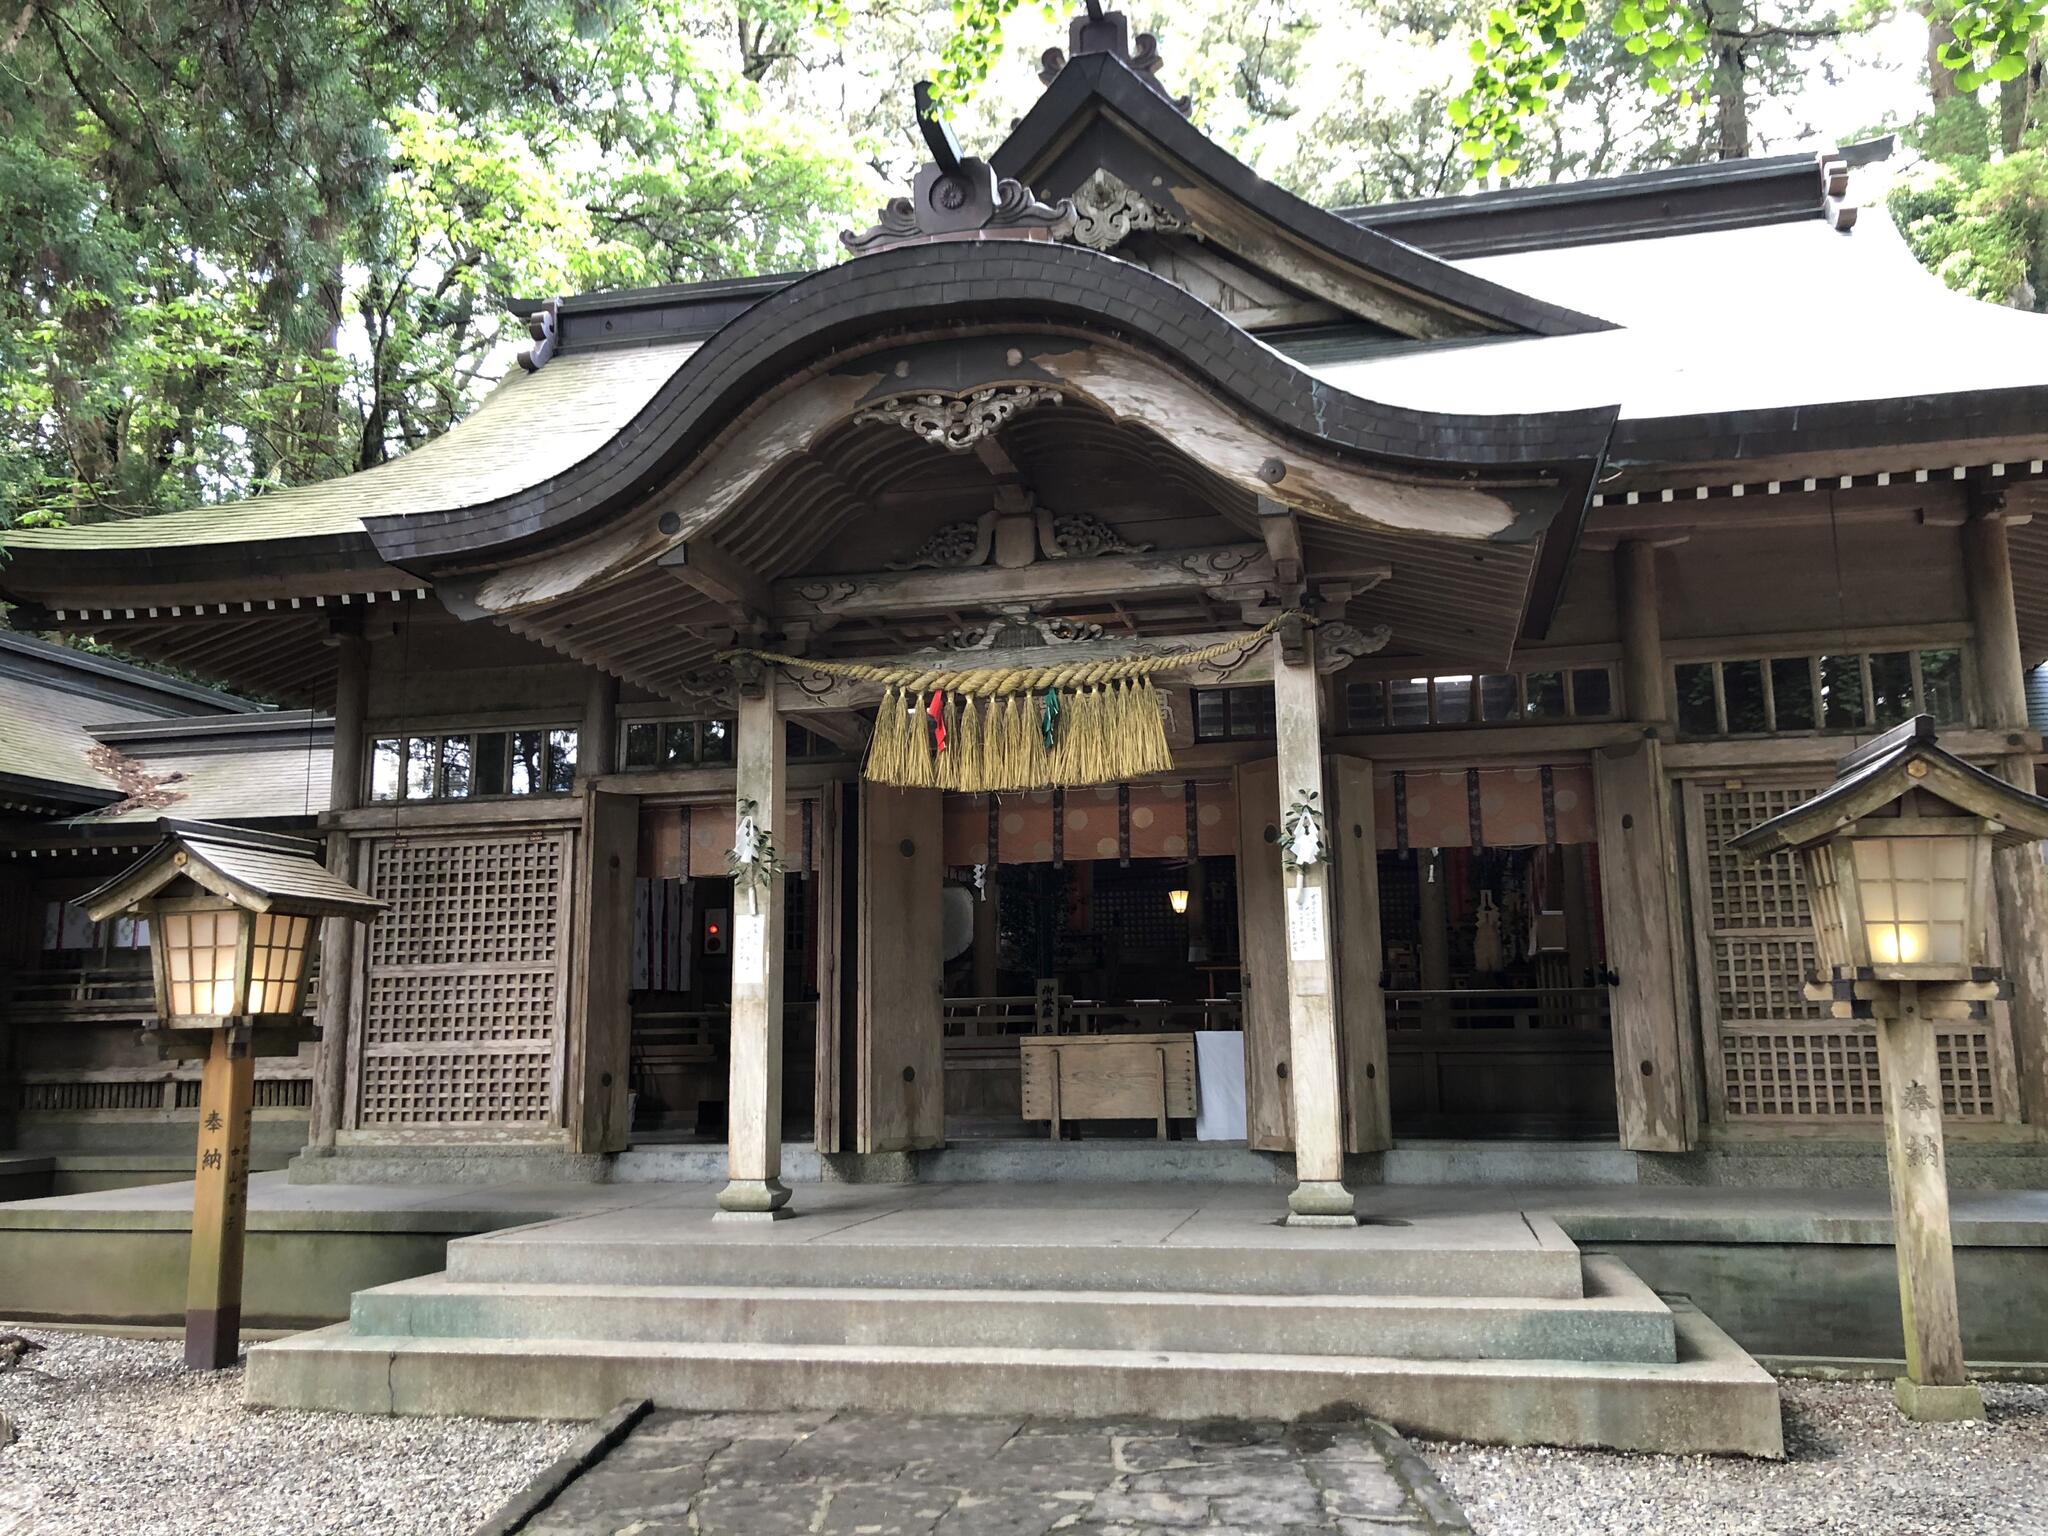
(753, 1200)
(1938, 1405)
(1321, 1203)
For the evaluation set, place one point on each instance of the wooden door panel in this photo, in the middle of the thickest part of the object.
(1262, 942)
(1361, 1006)
(902, 1072)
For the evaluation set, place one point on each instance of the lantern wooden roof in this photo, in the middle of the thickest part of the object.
(1901, 762)
(259, 871)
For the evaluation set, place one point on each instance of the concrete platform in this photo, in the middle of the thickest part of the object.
(1715, 1400)
(1220, 1238)
(1790, 1273)
(1162, 1301)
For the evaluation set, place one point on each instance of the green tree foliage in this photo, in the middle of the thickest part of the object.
(1977, 215)
(256, 242)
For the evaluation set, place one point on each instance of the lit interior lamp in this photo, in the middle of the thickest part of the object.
(1177, 898)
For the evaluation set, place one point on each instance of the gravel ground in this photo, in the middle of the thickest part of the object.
(1853, 1467)
(115, 1436)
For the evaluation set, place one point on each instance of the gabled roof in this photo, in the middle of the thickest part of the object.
(1099, 114)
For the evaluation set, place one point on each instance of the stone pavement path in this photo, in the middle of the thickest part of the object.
(856, 1474)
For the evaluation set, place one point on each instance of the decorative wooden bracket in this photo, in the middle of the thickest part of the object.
(750, 676)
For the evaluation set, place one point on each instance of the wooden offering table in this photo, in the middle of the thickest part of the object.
(1108, 1077)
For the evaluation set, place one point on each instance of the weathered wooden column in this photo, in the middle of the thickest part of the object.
(597, 743)
(1642, 635)
(220, 1204)
(1315, 1071)
(1934, 1386)
(2017, 876)
(339, 937)
(754, 1106)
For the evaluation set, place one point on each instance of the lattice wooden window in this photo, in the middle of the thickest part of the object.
(463, 988)
(1830, 1073)
(1783, 1058)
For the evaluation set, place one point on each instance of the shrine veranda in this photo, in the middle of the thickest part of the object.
(1561, 583)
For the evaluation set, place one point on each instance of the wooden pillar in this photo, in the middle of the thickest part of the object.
(2017, 876)
(340, 936)
(1637, 891)
(1934, 1386)
(599, 1058)
(220, 1205)
(754, 1104)
(1432, 935)
(1315, 1069)
(1642, 637)
(1361, 956)
(987, 931)
(597, 743)
(1262, 946)
(899, 1032)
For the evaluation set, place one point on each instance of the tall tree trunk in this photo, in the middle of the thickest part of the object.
(1941, 80)
(2016, 105)
(1731, 100)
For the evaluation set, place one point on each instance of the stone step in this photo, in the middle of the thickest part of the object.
(1370, 1261)
(1713, 1399)
(1620, 1318)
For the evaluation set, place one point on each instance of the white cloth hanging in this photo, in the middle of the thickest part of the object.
(1219, 1083)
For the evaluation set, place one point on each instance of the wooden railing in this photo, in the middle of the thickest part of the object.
(89, 996)
(83, 995)
(1057, 1013)
(166, 1092)
(1505, 1008)
(1513, 1060)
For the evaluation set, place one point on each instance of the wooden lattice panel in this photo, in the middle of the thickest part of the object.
(462, 992)
(1966, 1062)
(1746, 893)
(1801, 1074)
(1763, 978)
(1782, 1057)
(1831, 1073)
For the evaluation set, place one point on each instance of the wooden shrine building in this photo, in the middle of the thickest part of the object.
(1535, 574)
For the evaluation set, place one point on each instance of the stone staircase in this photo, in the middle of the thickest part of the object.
(1501, 1335)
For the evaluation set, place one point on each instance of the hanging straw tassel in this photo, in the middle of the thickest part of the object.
(946, 764)
(1148, 731)
(917, 759)
(1018, 760)
(888, 745)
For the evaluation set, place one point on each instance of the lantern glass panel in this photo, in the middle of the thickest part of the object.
(199, 955)
(1915, 893)
(277, 958)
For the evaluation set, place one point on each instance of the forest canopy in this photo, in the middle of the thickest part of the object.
(253, 243)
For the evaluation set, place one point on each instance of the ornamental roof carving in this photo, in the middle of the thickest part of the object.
(958, 197)
(1101, 31)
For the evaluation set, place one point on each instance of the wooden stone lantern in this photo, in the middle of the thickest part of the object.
(1897, 858)
(234, 923)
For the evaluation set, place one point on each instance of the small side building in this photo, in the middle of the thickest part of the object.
(92, 751)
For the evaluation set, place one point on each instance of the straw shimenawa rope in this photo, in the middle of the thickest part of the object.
(976, 729)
